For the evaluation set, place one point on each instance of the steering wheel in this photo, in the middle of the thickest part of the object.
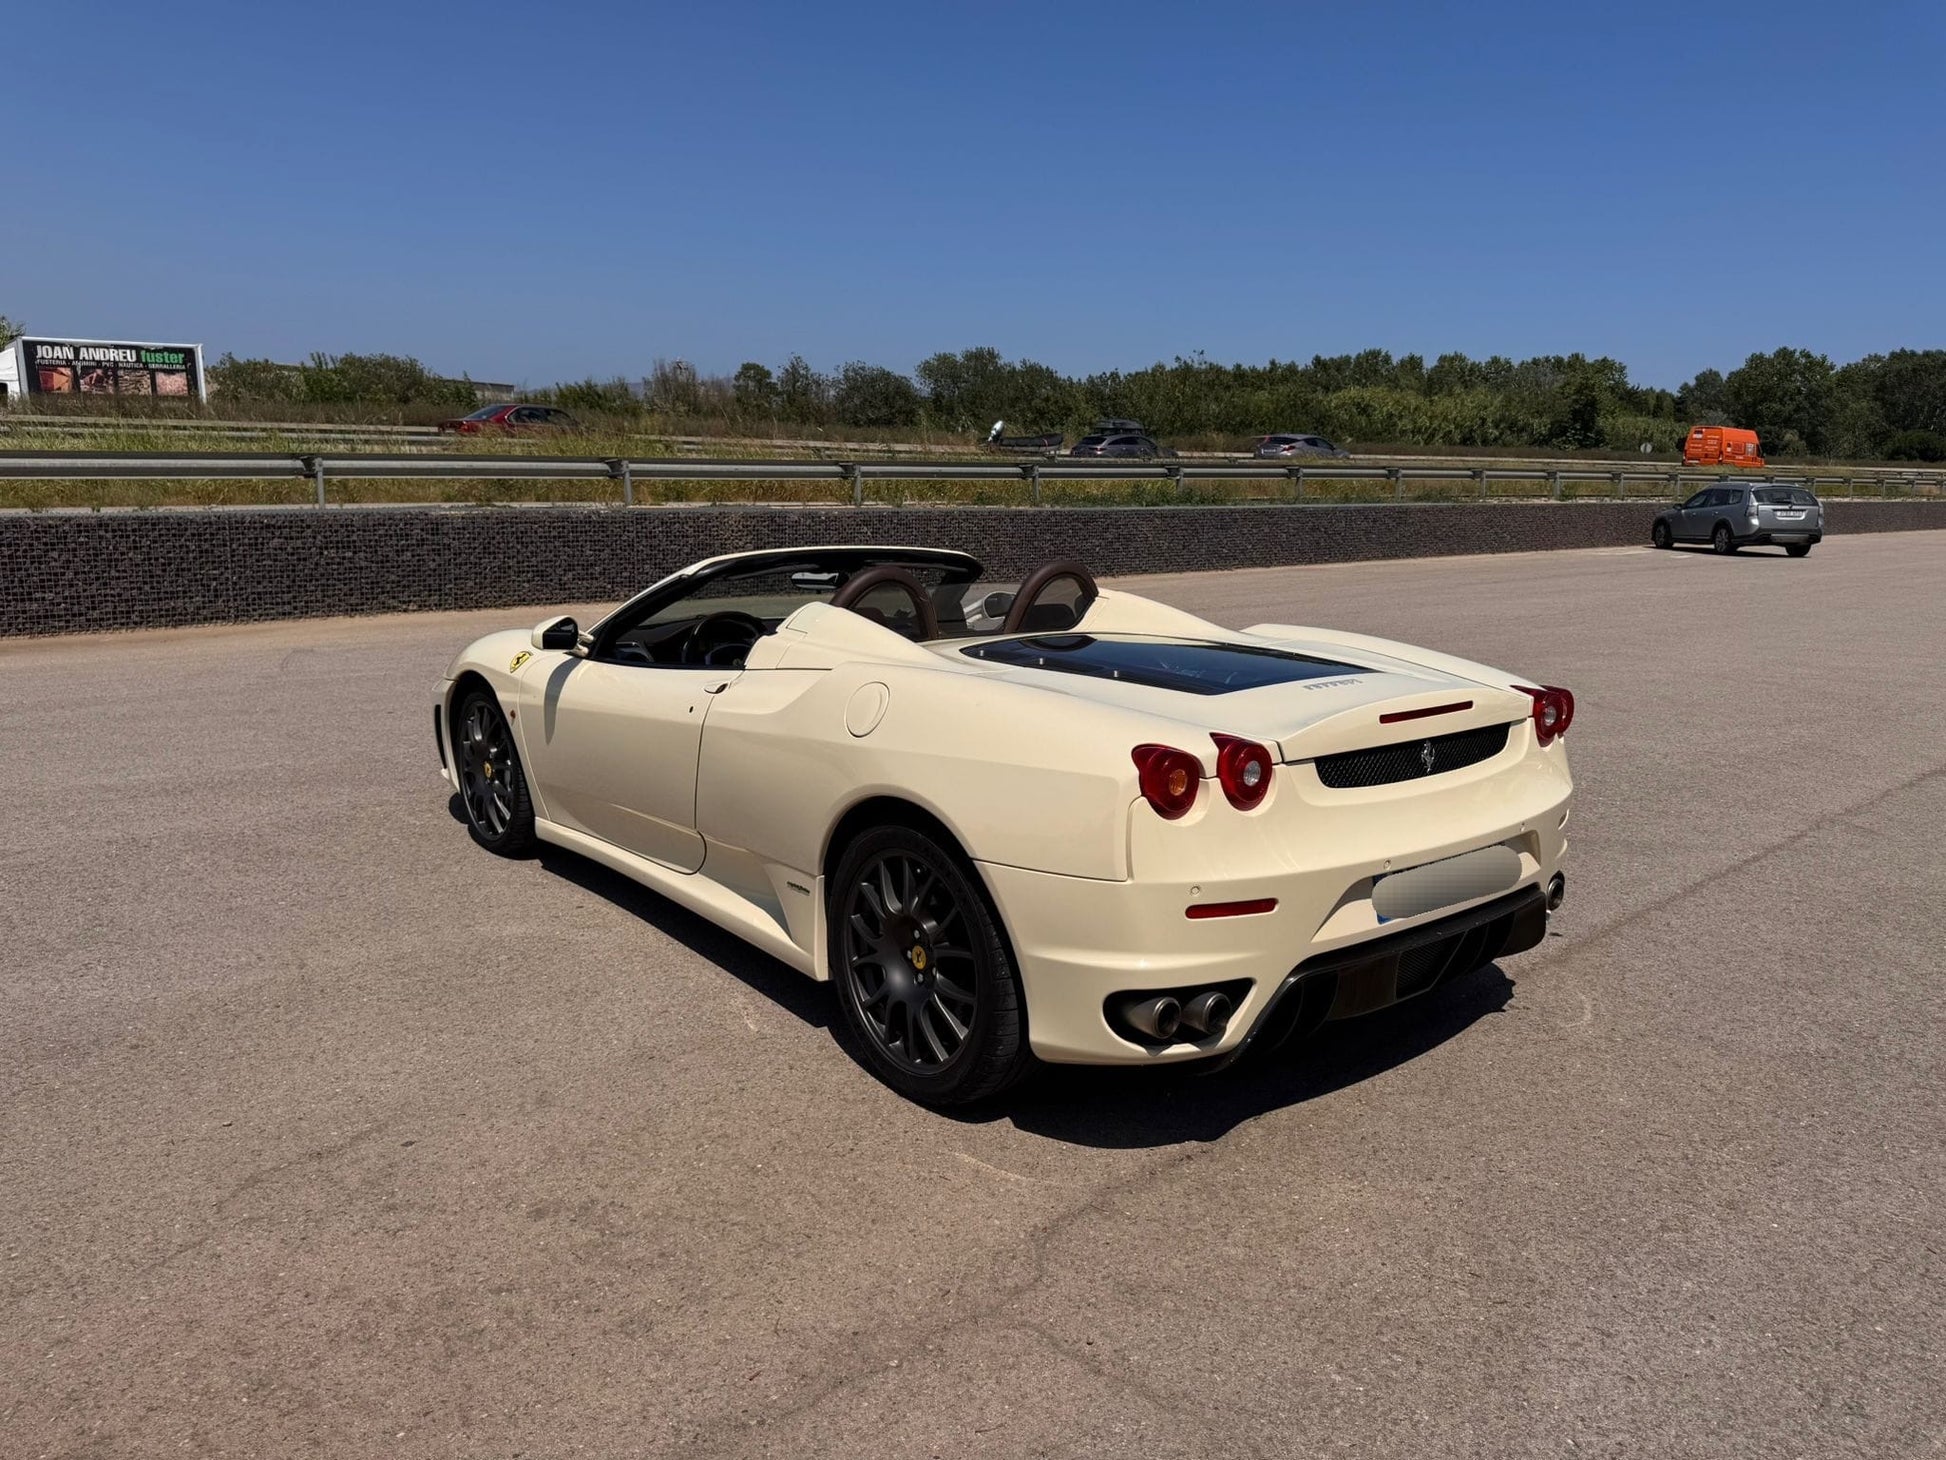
(925, 616)
(1038, 583)
(721, 633)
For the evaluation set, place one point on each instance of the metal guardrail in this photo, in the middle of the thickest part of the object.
(372, 436)
(1030, 474)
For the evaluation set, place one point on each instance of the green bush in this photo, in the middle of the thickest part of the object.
(1916, 446)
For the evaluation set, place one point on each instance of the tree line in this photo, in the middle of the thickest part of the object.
(1883, 406)
(1890, 406)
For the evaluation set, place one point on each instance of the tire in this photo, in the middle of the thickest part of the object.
(1722, 541)
(923, 971)
(492, 782)
(1661, 536)
(1798, 549)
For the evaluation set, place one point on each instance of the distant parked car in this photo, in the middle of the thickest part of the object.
(1290, 443)
(511, 418)
(1119, 443)
(1045, 441)
(1728, 518)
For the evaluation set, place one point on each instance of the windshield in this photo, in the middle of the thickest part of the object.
(484, 413)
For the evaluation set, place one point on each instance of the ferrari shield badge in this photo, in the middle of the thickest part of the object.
(519, 659)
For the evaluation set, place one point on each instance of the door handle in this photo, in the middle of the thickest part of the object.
(717, 689)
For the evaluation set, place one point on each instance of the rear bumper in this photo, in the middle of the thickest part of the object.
(1365, 977)
(1083, 945)
(1781, 537)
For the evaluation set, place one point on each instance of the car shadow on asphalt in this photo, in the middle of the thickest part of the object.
(1109, 1107)
(783, 986)
(1755, 552)
(1123, 1108)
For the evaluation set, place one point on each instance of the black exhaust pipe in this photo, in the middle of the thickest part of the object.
(1208, 1013)
(1159, 1017)
(1557, 892)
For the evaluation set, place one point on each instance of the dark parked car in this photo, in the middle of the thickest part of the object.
(1292, 443)
(1119, 443)
(511, 418)
(1045, 441)
(1728, 518)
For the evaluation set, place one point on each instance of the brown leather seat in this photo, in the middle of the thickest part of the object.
(1030, 616)
(925, 619)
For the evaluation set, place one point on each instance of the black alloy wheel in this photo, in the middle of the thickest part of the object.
(1721, 539)
(924, 974)
(1660, 535)
(492, 784)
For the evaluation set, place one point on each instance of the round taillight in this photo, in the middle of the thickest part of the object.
(1243, 769)
(1553, 711)
(1168, 777)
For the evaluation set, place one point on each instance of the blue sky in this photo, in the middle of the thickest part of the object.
(530, 193)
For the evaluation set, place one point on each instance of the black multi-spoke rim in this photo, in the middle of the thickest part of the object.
(488, 771)
(909, 961)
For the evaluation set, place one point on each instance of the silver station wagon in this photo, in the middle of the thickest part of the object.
(1757, 515)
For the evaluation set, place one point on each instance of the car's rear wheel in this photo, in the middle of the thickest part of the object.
(1798, 549)
(923, 971)
(1660, 535)
(492, 782)
(1721, 539)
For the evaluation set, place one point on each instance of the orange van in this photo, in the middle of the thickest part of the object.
(1721, 446)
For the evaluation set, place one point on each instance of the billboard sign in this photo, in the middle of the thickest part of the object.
(110, 367)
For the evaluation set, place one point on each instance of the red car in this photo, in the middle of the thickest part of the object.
(511, 418)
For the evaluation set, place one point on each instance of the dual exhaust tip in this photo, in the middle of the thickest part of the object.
(1165, 1017)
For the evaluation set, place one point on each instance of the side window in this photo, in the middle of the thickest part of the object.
(1701, 499)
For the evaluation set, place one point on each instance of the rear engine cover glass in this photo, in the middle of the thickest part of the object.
(1194, 668)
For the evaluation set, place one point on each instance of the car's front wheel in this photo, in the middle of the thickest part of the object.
(492, 782)
(1721, 539)
(1660, 535)
(923, 971)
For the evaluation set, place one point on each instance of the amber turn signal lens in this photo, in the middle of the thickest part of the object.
(1168, 777)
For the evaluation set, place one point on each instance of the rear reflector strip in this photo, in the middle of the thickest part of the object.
(1398, 715)
(1231, 909)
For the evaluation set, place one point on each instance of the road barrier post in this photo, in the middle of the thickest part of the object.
(618, 468)
(857, 483)
(1034, 482)
(1620, 492)
(1398, 483)
(1297, 484)
(1554, 484)
(315, 466)
(1482, 475)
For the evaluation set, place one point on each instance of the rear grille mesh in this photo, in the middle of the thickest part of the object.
(1411, 760)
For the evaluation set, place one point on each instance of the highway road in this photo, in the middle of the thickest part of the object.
(323, 1133)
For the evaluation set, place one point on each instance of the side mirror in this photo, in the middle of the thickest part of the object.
(555, 633)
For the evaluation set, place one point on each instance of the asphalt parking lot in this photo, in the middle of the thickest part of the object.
(325, 1133)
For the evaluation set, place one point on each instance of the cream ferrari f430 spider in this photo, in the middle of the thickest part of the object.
(1046, 821)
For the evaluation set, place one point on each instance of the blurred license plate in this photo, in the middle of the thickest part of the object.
(1790, 516)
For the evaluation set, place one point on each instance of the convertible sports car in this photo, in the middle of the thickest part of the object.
(1043, 822)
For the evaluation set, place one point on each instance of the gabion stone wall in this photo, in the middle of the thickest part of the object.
(71, 572)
